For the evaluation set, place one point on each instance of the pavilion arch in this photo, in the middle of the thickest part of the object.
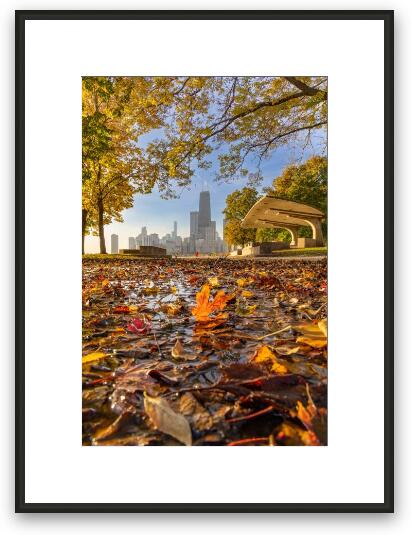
(270, 212)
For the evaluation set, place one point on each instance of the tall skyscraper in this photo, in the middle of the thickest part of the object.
(204, 212)
(114, 244)
(131, 243)
(175, 230)
(193, 223)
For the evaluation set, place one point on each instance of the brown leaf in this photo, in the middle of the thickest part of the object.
(195, 412)
(179, 353)
(166, 420)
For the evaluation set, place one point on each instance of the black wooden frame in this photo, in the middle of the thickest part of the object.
(388, 506)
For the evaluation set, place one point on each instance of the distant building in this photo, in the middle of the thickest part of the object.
(204, 213)
(114, 244)
(225, 244)
(131, 242)
(154, 239)
(193, 223)
(210, 236)
(174, 234)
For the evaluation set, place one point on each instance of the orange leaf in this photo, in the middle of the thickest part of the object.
(306, 415)
(205, 306)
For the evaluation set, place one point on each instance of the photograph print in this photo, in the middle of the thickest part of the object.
(204, 261)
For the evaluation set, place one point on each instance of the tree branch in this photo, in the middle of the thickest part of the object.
(307, 90)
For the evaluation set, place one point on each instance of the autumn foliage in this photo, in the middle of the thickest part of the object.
(206, 306)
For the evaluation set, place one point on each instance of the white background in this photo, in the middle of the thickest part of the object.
(350, 469)
(306, 522)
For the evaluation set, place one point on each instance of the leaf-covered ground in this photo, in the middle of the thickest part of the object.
(204, 352)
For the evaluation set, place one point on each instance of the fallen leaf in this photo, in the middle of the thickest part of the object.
(139, 326)
(314, 334)
(309, 329)
(200, 418)
(242, 371)
(247, 293)
(124, 309)
(313, 342)
(205, 306)
(114, 427)
(287, 349)
(214, 282)
(151, 290)
(94, 356)
(264, 354)
(166, 420)
(178, 352)
(291, 435)
(322, 325)
(172, 309)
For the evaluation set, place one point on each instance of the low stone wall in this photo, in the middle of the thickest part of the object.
(264, 248)
(146, 250)
(303, 243)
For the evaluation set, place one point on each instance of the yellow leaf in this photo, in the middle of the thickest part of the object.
(309, 329)
(241, 282)
(264, 354)
(151, 290)
(247, 293)
(313, 342)
(322, 324)
(105, 283)
(214, 282)
(93, 356)
(279, 368)
(173, 289)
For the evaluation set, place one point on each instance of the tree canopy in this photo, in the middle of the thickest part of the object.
(247, 117)
(238, 204)
(306, 183)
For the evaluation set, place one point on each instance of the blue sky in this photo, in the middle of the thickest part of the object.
(158, 214)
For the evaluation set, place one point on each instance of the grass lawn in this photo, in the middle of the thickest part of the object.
(309, 251)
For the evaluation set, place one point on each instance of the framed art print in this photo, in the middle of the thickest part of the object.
(204, 252)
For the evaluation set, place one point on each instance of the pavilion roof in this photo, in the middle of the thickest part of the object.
(269, 211)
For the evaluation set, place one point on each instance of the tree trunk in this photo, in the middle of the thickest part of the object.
(101, 226)
(83, 228)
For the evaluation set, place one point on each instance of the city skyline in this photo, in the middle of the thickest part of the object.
(203, 236)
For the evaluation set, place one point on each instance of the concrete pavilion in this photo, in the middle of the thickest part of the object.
(270, 212)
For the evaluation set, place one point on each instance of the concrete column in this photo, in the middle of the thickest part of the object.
(294, 235)
(315, 224)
